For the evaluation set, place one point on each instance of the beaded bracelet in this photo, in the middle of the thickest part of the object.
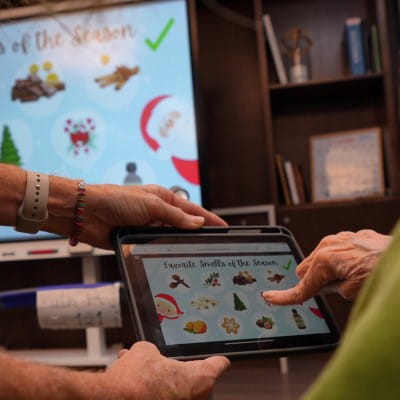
(78, 220)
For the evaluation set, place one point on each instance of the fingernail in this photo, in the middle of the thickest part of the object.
(197, 220)
(266, 295)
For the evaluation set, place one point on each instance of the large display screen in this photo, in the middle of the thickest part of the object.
(101, 94)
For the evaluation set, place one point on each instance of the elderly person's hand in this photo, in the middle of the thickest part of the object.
(142, 373)
(339, 263)
(108, 206)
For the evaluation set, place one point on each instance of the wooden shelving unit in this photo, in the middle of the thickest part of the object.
(249, 116)
(333, 100)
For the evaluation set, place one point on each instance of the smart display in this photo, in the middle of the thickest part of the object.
(104, 94)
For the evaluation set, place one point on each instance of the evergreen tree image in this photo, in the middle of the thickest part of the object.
(239, 305)
(8, 151)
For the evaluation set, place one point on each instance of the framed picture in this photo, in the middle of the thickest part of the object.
(263, 214)
(347, 165)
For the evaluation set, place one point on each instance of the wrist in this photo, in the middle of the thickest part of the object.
(32, 214)
(61, 205)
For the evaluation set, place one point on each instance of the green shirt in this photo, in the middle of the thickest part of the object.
(366, 364)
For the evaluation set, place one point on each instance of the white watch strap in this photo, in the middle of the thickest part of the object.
(33, 211)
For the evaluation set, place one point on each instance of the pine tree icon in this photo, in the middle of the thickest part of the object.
(239, 305)
(8, 150)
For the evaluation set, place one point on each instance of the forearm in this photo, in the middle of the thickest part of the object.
(22, 380)
(61, 202)
(12, 182)
(102, 207)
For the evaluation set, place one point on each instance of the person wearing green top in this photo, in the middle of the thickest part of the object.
(366, 363)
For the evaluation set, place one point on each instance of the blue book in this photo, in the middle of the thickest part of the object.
(356, 46)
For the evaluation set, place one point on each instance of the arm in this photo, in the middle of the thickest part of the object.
(365, 365)
(107, 206)
(141, 374)
(339, 263)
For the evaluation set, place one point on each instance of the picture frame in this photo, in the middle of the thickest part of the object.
(347, 165)
(262, 214)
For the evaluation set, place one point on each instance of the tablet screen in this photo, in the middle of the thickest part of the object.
(203, 295)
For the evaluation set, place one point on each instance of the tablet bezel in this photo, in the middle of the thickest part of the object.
(144, 314)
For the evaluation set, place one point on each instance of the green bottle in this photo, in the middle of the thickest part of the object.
(298, 320)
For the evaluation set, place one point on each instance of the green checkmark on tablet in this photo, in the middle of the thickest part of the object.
(287, 265)
(154, 45)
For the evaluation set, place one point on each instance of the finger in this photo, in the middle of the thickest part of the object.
(326, 254)
(303, 267)
(144, 348)
(310, 285)
(349, 289)
(330, 241)
(122, 352)
(218, 364)
(185, 205)
(177, 217)
(283, 297)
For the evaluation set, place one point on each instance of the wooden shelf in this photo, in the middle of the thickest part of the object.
(337, 83)
(339, 204)
(314, 95)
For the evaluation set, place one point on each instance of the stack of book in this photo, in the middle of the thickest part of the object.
(291, 180)
(362, 43)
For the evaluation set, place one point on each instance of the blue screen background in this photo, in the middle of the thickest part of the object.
(223, 317)
(87, 131)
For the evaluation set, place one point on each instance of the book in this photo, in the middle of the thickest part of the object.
(300, 184)
(274, 47)
(282, 179)
(294, 195)
(375, 52)
(355, 41)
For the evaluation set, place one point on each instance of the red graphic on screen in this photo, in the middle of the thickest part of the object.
(316, 311)
(188, 169)
(167, 307)
(80, 133)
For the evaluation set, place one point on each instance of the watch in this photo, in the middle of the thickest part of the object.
(32, 214)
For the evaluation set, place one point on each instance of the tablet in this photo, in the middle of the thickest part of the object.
(198, 293)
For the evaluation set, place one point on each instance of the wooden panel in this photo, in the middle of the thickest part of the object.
(233, 125)
(311, 223)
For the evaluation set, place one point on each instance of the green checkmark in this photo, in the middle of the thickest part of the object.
(287, 266)
(155, 45)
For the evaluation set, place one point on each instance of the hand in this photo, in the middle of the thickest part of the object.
(143, 373)
(339, 263)
(109, 206)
